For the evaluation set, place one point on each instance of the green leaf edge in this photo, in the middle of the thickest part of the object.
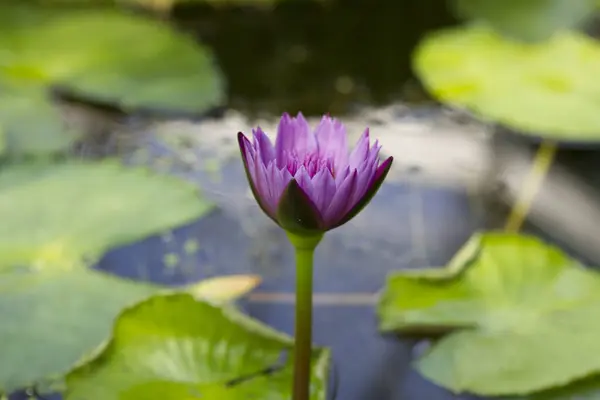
(458, 264)
(323, 354)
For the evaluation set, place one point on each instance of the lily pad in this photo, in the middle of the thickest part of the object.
(52, 319)
(89, 53)
(585, 389)
(548, 89)
(25, 134)
(173, 347)
(528, 19)
(55, 221)
(63, 213)
(520, 316)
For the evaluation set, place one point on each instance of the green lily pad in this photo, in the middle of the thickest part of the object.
(173, 347)
(528, 19)
(57, 215)
(585, 389)
(55, 221)
(520, 316)
(25, 134)
(548, 89)
(88, 53)
(52, 319)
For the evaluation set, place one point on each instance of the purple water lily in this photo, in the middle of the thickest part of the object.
(309, 182)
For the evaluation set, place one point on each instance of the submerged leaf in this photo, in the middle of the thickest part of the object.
(521, 317)
(173, 347)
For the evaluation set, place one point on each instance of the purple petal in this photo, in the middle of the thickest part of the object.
(339, 204)
(374, 152)
(324, 190)
(360, 151)
(248, 160)
(341, 176)
(332, 142)
(294, 138)
(365, 173)
(278, 180)
(303, 179)
(374, 186)
(263, 146)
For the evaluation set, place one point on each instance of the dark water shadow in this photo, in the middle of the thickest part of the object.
(316, 56)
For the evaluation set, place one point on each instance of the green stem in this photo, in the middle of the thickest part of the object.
(305, 248)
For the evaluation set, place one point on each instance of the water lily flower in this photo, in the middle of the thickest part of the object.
(309, 182)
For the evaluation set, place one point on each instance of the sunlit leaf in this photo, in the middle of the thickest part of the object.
(51, 319)
(549, 89)
(225, 288)
(528, 19)
(174, 347)
(520, 317)
(55, 220)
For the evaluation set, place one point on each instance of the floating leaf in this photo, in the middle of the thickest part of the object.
(174, 347)
(586, 389)
(521, 317)
(528, 19)
(30, 123)
(88, 53)
(54, 218)
(549, 89)
(78, 209)
(51, 319)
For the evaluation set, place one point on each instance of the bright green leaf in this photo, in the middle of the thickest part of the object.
(528, 19)
(59, 214)
(173, 347)
(521, 316)
(549, 89)
(52, 319)
(54, 219)
(586, 389)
